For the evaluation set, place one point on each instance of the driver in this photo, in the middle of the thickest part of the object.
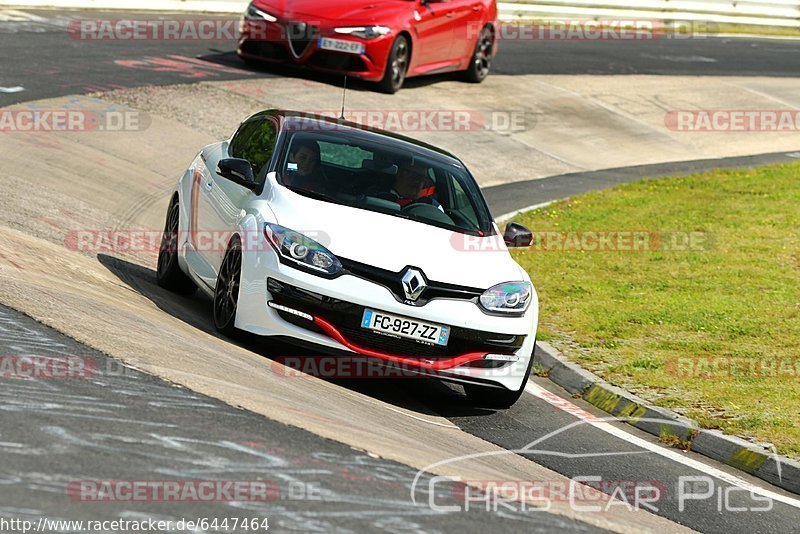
(304, 169)
(413, 185)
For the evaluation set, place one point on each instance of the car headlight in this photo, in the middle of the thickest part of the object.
(507, 298)
(256, 14)
(365, 32)
(300, 251)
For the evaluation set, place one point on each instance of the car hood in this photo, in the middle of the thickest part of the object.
(394, 243)
(361, 11)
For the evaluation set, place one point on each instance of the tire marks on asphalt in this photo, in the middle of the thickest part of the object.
(124, 425)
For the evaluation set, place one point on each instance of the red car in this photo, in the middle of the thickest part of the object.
(379, 41)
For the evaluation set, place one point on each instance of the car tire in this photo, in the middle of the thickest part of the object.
(226, 292)
(168, 272)
(481, 61)
(397, 66)
(496, 398)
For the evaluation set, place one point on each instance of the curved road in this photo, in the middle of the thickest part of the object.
(42, 58)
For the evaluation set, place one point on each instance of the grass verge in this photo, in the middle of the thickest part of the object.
(685, 291)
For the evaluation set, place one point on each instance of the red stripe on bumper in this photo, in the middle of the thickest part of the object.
(432, 365)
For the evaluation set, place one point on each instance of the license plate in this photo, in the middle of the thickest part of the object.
(340, 45)
(404, 327)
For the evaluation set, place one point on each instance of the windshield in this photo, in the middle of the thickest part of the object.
(386, 176)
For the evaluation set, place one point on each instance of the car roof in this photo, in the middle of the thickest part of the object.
(303, 118)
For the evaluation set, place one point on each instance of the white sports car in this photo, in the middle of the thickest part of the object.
(354, 240)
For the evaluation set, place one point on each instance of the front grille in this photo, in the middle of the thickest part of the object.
(398, 346)
(392, 281)
(342, 62)
(346, 317)
(300, 36)
(266, 49)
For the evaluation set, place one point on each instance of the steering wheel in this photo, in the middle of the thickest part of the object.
(414, 205)
(425, 211)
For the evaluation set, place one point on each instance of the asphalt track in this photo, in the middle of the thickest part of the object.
(507, 199)
(116, 423)
(72, 430)
(40, 55)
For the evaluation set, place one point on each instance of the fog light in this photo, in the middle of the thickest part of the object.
(501, 357)
(292, 311)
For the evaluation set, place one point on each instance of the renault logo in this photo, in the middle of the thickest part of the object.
(413, 283)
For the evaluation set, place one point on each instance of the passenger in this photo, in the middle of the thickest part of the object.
(305, 171)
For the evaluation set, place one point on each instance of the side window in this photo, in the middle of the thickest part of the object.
(255, 142)
(462, 204)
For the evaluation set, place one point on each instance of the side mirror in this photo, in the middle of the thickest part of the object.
(238, 171)
(517, 235)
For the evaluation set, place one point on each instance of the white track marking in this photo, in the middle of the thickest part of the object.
(15, 89)
(762, 94)
(506, 216)
(12, 15)
(401, 412)
(541, 393)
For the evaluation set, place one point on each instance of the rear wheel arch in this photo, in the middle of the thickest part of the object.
(478, 69)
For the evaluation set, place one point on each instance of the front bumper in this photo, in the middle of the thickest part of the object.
(278, 43)
(332, 312)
